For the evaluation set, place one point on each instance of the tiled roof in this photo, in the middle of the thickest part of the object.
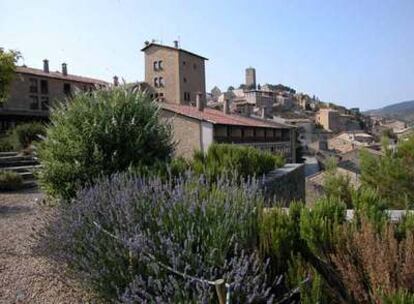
(218, 117)
(58, 75)
(172, 48)
(319, 178)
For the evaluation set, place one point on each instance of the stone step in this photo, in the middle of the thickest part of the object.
(27, 175)
(2, 154)
(15, 158)
(19, 163)
(22, 168)
(29, 184)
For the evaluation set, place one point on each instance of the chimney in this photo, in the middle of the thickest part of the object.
(46, 66)
(176, 44)
(226, 106)
(199, 102)
(116, 81)
(64, 69)
(146, 42)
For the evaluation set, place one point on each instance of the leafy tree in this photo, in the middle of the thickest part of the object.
(8, 60)
(391, 175)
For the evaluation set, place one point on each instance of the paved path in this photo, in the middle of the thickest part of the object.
(24, 276)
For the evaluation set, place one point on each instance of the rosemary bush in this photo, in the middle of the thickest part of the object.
(230, 160)
(100, 133)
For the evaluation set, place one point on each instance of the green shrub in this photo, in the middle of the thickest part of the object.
(6, 144)
(101, 133)
(10, 181)
(235, 160)
(391, 175)
(400, 297)
(24, 134)
(337, 185)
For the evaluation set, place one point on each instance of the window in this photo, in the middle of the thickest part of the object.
(161, 82)
(156, 84)
(185, 80)
(67, 89)
(33, 85)
(34, 104)
(160, 65)
(159, 96)
(45, 103)
(155, 65)
(195, 66)
(187, 96)
(44, 88)
(183, 62)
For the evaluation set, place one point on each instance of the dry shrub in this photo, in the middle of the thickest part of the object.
(373, 263)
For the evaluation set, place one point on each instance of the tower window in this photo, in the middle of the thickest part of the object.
(156, 83)
(161, 82)
(158, 65)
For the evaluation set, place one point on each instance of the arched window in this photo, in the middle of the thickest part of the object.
(156, 84)
(160, 65)
(161, 82)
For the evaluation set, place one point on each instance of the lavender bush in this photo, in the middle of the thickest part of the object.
(121, 234)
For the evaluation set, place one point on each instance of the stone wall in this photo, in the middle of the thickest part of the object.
(285, 184)
(186, 133)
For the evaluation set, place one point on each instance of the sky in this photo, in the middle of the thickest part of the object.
(357, 53)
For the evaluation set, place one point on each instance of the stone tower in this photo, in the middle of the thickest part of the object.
(251, 78)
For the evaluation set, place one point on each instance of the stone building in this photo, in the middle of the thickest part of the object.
(174, 75)
(196, 128)
(335, 121)
(251, 78)
(34, 91)
(176, 78)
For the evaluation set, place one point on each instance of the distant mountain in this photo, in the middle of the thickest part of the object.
(403, 111)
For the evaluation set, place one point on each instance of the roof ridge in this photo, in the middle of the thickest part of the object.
(58, 75)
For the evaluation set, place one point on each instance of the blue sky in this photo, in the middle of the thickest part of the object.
(352, 52)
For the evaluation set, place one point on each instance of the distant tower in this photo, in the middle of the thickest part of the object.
(251, 78)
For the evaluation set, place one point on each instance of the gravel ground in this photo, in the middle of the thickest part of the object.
(24, 276)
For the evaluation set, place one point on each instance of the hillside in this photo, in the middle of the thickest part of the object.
(403, 111)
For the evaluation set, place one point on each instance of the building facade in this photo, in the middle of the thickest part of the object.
(34, 91)
(195, 129)
(332, 120)
(174, 75)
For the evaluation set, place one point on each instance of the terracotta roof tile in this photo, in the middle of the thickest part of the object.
(58, 75)
(218, 117)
